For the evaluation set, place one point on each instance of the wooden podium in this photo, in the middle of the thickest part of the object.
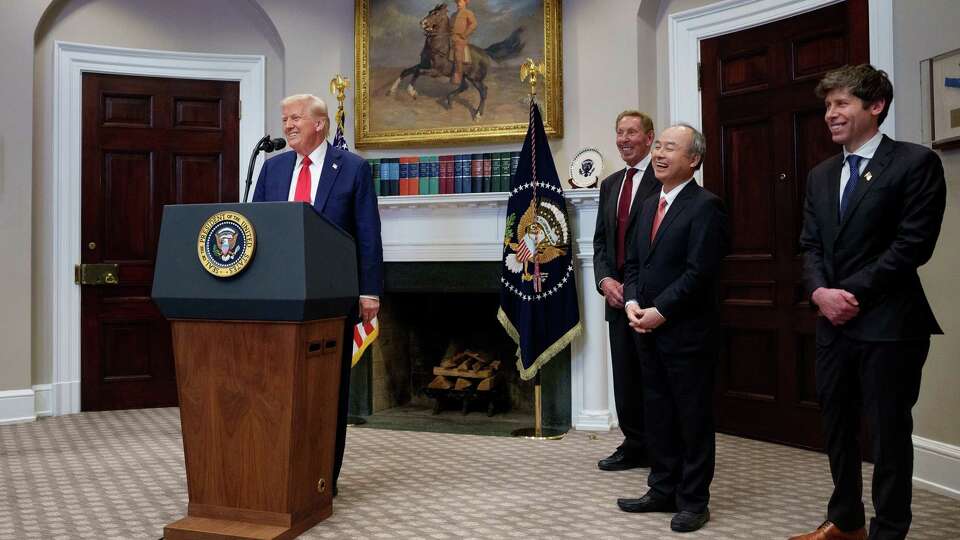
(258, 367)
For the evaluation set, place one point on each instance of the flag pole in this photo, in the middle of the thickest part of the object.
(529, 71)
(338, 85)
(538, 432)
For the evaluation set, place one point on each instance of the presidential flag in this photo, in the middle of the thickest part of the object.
(538, 295)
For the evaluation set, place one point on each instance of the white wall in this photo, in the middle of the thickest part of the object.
(922, 30)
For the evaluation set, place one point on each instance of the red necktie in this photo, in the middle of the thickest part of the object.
(661, 210)
(303, 182)
(623, 215)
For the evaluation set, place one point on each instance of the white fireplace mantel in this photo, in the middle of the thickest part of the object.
(469, 227)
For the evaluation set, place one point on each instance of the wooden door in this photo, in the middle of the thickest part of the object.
(765, 130)
(147, 142)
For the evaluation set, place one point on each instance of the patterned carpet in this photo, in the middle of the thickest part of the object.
(120, 475)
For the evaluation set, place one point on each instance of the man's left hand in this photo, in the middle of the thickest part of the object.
(649, 320)
(369, 307)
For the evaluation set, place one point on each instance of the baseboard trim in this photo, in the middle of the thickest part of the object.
(43, 401)
(17, 406)
(593, 421)
(936, 466)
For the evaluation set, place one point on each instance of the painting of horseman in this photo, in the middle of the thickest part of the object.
(435, 67)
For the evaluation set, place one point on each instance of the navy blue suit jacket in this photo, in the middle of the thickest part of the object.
(345, 196)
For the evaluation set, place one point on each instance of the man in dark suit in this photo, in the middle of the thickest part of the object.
(871, 218)
(338, 184)
(672, 267)
(621, 195)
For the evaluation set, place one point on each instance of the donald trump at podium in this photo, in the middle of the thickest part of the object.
(339, 186)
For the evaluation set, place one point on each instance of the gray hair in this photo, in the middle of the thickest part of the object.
(698, 143)
(316, 106)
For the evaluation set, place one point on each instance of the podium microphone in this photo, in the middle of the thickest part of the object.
(266, 144)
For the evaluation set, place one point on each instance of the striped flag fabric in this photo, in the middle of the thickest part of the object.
(339, 141)
(363, 335)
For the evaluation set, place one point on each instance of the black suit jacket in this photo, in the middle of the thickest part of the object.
(605, 234)
(890, 229)
(678, 273)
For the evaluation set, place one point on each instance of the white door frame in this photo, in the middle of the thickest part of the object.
(71, 60)
(687, 28)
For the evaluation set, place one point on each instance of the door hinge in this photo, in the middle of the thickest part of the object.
(699, 76)
(239, 110)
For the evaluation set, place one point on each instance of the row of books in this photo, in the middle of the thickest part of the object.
(460, 173)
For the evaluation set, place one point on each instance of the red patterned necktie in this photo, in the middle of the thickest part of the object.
(303, 182)
(661, 210)
(623, 215)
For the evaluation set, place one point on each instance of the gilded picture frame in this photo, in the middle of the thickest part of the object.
(408, 37)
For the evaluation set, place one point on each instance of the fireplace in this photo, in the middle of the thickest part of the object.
(443, 257)
(432, 311)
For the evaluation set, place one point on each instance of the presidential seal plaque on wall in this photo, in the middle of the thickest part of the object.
(226, 243)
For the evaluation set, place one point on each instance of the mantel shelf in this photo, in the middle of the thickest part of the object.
(473, 200)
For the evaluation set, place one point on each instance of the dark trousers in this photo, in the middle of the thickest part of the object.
(343, 401)
(678, 402)
(881, 379)
(627, 385)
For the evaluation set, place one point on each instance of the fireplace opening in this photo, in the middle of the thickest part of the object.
(434, 314)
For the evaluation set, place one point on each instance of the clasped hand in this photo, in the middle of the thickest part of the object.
(837, 305)
(643, 320)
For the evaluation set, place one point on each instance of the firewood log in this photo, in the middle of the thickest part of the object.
(440, 383)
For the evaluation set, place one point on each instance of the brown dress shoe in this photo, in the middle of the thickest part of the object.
(829, 531)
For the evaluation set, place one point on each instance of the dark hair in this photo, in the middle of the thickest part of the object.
(864, 81)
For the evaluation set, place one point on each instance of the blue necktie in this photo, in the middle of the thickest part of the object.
(853, 161)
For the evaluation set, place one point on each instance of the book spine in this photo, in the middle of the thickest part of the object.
(434, 178)
(487, 173)
(460, 174)
(422, 188)
(476, 173)
(394, 176)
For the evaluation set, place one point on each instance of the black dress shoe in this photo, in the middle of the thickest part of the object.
(648, 503)
(687, 521)
(620, 461)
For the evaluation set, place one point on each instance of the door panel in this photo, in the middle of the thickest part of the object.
(759, 107)
(147, 142)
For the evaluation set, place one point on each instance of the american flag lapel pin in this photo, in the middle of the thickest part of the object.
(866, 177)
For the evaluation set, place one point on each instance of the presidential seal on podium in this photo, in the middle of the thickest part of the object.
(226, 244)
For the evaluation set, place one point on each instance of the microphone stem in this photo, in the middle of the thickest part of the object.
(253, 161)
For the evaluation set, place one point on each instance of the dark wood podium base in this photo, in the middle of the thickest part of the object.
(258, 412)
(198, 528)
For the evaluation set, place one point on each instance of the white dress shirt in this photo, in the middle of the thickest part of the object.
(316, 167)
(866, 152)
